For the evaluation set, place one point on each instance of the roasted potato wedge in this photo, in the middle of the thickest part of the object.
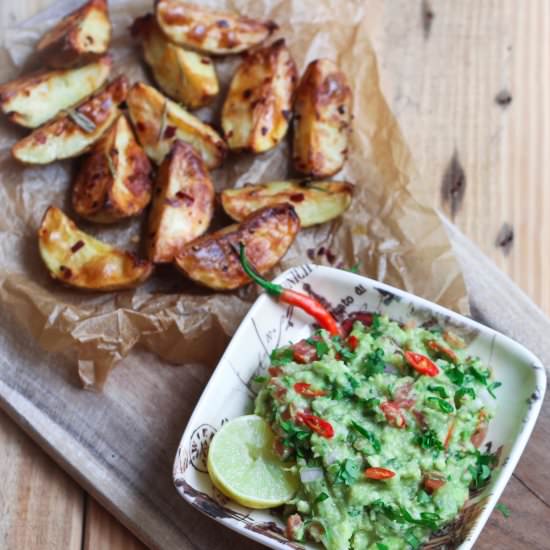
(159, 122)
(79, 260)
(114, 180)
(322, 120)
(314, 202)
(78, 38)
(73, 133)
(211, 260)
(206, 30)
(32, 100)
(183, 203)
(186, 76)
(258, 106)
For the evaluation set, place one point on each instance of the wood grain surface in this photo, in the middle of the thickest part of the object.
(470, 84)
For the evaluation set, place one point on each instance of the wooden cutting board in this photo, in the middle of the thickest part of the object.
(120, 444)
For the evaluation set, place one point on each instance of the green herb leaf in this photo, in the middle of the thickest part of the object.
(423, 497)
(441, 404)
(428, 440)
(481, 376)
(374, 441)
(503, 509)
(260, 379)
(440, 390)
(493, 386)
(348, 472)
(412, 540)
(321, 497)
(455, 375)
(375, 328)
(481, 472)
(374, 363)
(462, 392)
(321, 347)
(281, 356)
(381, 546)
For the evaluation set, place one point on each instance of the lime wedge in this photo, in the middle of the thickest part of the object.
(243, 466)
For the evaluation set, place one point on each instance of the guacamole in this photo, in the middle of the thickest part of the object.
(383, 427)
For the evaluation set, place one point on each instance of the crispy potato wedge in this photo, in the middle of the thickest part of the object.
(314, 202)
(211, 260)
(73, 133)
(78, 38)
(114, 180)
(159, 122)
(79, 260)
(206, 30)
(186, 76)
(183, 204)
(32, 100)
(322, 120)
(258, 106)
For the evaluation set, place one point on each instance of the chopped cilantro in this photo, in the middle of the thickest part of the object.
(423, 497)
(412, 540)
(503, 509)
(440, 390)
(462, 392)
(441, 404)
(455, 375)
(481, 472)
(374, 363)
(401, 515)
(381, 546)
(321, 497)
(428, 440)
(347, 473)
(375, 328)
(374, 441)
(480, 375)
(259, 379)
(321, 347)
(296, 438)
(281, 356)
(493, 386)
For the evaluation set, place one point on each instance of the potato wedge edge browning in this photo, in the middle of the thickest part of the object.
(79, 260)
(159, 122)
(257, 109)
(72, 134)
(81, 36)
(211, 31)
(183, 203)
(314, 201)
(322, 120)
(114, 180)
(267, 234)
(186, 76)
(34, 99)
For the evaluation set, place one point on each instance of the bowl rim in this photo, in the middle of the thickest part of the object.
(517, 447)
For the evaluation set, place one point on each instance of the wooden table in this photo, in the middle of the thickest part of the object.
(470, 83)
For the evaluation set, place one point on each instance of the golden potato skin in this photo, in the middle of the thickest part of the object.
(188, 77)
(183, 203)
(210, 31)
(322, 120)
(267, 234)
(64, 137)
(258, 106)
(34, 99)
(159, 122)
(114, 180)
(78, 38)
(81, 261)
(315, 202)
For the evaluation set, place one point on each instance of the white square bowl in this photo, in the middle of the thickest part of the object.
(269, 325)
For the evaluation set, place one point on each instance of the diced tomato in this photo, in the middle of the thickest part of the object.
(280, 449)
(293, 526)
(304, 353)
(316, 424)
(393, 414)
(379, 473)
(432, 485)
(481, 431)
(365, 318)
(422, 364)
(275, 371)
(305, 389)
(442, 351)
(353, 342)
(420, 419)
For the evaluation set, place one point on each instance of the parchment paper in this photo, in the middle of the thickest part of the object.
(387, 232)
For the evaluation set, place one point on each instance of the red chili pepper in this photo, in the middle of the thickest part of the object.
(437, 348)
(422, 364)
(305, 389)
(393, 414)
(353, 342)
(432, 485)
(379, 473)
(307, 303)
(316, 424)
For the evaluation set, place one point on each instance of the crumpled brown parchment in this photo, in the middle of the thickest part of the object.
(391, 235)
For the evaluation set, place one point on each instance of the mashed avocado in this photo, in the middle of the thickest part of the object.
(383, 427)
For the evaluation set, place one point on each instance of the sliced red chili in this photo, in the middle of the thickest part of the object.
(442, 351)
(379, 473)
(305, 389)
(316, 424)
(353, 342)
(421, 364)
(393, 414)
(432, 485)
(450, 432)
(481, 430)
